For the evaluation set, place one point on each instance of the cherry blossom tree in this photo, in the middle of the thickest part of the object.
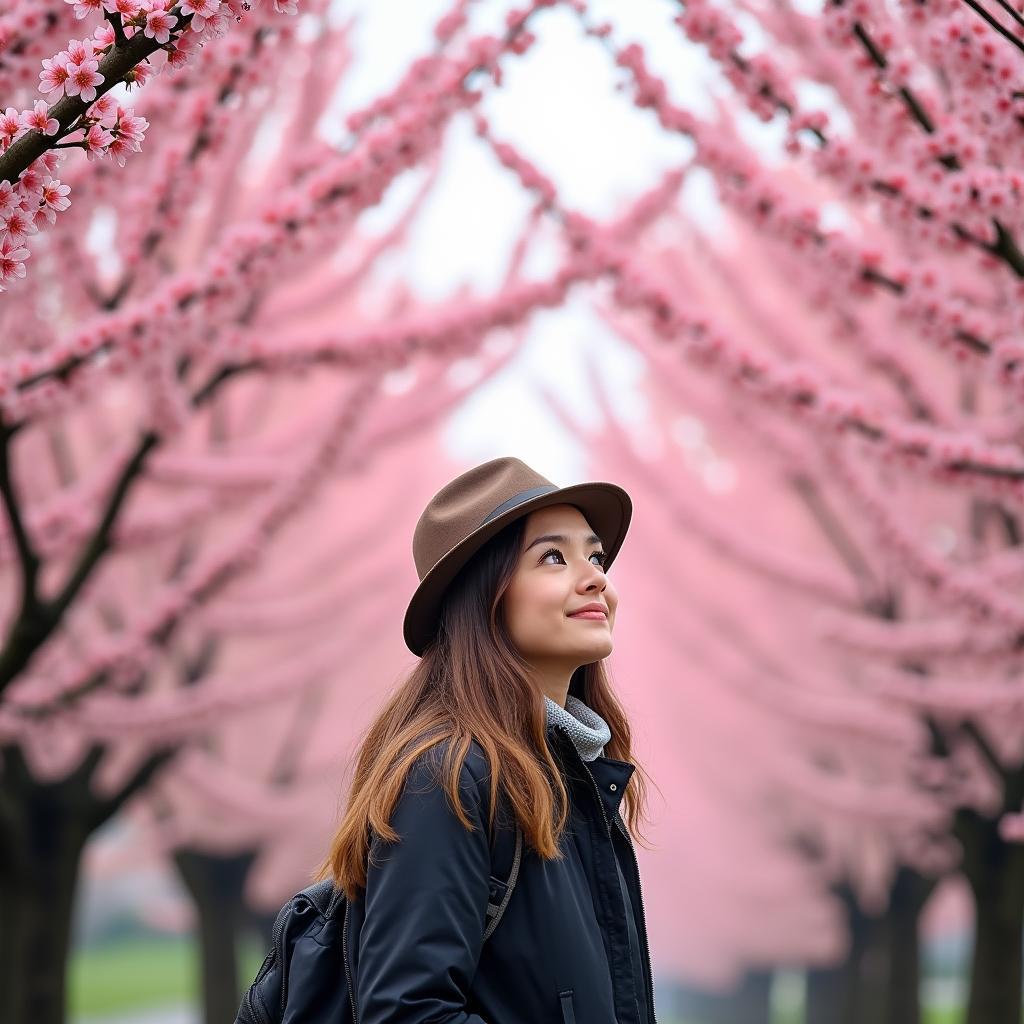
(159, 433)
(850, 338)
(264, 778)
(863, 324)
(857, 357)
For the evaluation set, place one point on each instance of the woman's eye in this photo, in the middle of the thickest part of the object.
(602, 556)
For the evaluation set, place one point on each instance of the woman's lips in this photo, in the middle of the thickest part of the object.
(590, 615)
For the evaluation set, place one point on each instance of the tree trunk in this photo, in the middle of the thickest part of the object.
(890, 966)
(39, 859)
(995, 871)
(907, 899)
(873, 980)
(44, 827)
(827, 993)
(217, 886)
(751, 1002)
(836, 995)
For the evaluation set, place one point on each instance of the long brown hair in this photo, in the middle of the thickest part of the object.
(471, 683)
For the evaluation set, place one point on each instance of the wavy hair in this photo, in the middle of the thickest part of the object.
(472, 684)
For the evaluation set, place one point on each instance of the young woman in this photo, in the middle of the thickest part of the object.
(508, 715)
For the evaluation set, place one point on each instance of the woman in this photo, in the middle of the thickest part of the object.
(508, 713)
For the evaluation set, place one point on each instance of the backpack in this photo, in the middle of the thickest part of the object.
(299, 975)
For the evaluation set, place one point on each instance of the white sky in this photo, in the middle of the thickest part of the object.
(558, 104)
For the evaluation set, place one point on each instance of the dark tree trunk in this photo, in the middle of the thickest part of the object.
(751, 1002)
(217, 886)
(44, 827)
(748, 1003)
(835, 995)
(43, 835)
(907, 899)
(873, 981)
(879, 981)
(995, 871)
(890, 967)
(832, 994)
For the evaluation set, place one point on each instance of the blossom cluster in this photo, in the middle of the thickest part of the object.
(970, 332)
(104, 128)
(34, 200)
(177, 319)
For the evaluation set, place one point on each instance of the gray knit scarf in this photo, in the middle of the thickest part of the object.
(588, 730)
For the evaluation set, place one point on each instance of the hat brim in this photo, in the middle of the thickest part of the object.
(606, 506)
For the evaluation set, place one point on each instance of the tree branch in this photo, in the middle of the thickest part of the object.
(118, 61)
(115, 22)
(993, 23)
(1005, 247)
(971, 730)
(27, 556)
(1011, 11)
(143, 775)
(30, 631)
(837, 535)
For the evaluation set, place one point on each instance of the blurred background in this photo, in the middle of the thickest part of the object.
(757, 261)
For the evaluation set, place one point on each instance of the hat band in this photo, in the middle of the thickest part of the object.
(518, 500)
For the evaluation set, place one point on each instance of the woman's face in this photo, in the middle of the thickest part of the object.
(559, 571)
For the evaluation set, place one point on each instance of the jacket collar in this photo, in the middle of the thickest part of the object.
(610, 775)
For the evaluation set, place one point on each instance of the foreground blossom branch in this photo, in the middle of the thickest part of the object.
(84, 116)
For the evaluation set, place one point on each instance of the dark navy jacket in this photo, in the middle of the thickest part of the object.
(572, 945)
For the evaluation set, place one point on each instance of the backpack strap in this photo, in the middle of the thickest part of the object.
(506, 857)
(323, 895)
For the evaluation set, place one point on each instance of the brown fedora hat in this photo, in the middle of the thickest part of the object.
(472, 508)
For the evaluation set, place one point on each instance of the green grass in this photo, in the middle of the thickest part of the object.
(141, 974)
(150, 973)
(945, 1017)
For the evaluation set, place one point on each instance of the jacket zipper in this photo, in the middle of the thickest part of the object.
(344, 958)
(622, 828)
(643, 919)
(255, 1006)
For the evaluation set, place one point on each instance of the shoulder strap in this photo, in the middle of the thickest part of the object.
(323, 895)
(506, 856)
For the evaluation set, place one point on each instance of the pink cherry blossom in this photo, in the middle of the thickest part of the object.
(17, 223)
(131, 128)
(55, 73)
(105, 110)
(83, 8)
(214, 27)
(10, 126)
(140, 74)
(81, 51)
(32, 178)
(103, 35)
(126, 8)
(200, 11)
(8, 197)
(128, 132)
(96, 140)
(54, 198)
(83, 80)
(159, 25)
(12, 259)
(38, 119)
